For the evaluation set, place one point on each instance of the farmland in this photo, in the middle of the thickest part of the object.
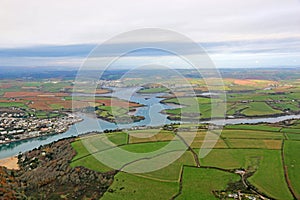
(234, 108)
(258, 98)
(247, 160)
(258, 152)
(291, 157)
(153, 90)
(42, 99)
(193, 188)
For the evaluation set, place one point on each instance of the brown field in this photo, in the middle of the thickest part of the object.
(116, 102)
(282, 88)
(102, 91)
(201, 89)
(150, 136)
(32, 94)
(244, 82)
(43, 102)
(252, 82)
(48, 101)
(196, 144)
(29, 88)
(273, 144)
(5, 86)
(254, 144)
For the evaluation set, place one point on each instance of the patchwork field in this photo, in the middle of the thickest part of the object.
(247, 159)
(244, 98)
(43, 99)
(258, 152)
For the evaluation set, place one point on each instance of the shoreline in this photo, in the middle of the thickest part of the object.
(14, 157)
(10, 163)
(45, 135)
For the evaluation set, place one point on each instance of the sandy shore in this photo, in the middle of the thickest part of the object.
(10, 163)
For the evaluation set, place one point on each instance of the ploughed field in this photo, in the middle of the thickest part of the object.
(249, 160)
(244, 98)
(52, 98)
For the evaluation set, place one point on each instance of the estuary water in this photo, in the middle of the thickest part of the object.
(151, 111)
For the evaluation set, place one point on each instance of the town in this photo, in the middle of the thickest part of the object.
(15, 125)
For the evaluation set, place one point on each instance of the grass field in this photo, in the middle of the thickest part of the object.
(198, 183)
(233, 158)
(240, 146)
(256, 127)
(154, 90)
(293, 136)
(259, 108)
(150, 135)
(92, 163)
(269, 177)
(146, 147)
(170, 173)
(253, 144)
(292, 163)
(249, 109)
(290, 130)
(254, 101)
(12, 104)
(84, 158)
(251, 134)
(128, 186)
(80, 149)
(293, 106)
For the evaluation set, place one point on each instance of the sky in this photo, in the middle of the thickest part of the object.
(234, 33)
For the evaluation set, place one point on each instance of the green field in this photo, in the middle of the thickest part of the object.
(198, 183)
(172, 171)
(260, 127)
(12, 104)
(196, 140)
(252, 103)
(128, 186)
(249, 109)
(259, 108)
(292, 163)
(251, 134)
(154, 90)
(290, 130)
(269, 177)
(150, 135)
(293, 136)
(233, 158)
(240, 146)
(253, 144)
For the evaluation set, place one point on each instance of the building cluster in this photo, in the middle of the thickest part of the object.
(14, 127)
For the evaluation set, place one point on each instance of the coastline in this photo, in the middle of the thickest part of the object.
(10, 163)
(45, 135)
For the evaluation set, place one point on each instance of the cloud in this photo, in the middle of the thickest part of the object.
(62, 32)
(272, 52)
(35, 22)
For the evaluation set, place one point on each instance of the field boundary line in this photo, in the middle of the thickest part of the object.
(286, 175)
(155, 179)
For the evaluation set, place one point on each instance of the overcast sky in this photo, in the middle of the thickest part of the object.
(236, 33)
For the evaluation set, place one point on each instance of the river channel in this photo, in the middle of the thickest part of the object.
(151, 111)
